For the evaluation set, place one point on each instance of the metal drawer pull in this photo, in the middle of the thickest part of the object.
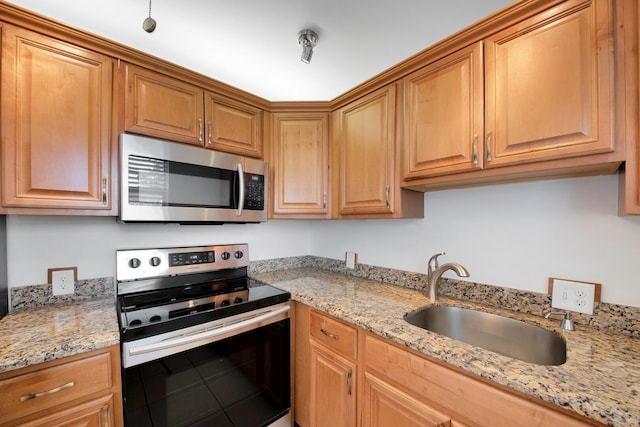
(387, 196)
(104, 191)
(44, 393)
(200, 131)
(349, 382)
(474, 156)
(210, 134)
(489, 135)
(329, 334)
(105, 416)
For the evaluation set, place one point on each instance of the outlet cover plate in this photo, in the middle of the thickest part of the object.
(351, 259)
(574, 295)
(63, 280)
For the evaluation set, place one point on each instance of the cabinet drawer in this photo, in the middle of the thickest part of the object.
(35, 391)
(334, 334)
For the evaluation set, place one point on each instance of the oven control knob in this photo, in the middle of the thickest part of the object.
(154, 261)
(225, 255)
(135, 322)
(155, 318)
(224, 303)
(238, 254)
(134, 262)
(237, 300)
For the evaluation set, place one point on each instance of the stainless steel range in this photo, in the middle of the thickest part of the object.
(201, 344)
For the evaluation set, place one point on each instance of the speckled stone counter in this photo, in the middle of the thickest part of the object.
(37, 335)
(600, 379)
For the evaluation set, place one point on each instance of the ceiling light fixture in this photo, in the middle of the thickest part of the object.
(308, 39)
(149, 24)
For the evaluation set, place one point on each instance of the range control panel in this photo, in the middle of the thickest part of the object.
(135, 264)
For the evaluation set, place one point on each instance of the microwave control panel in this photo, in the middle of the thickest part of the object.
(254, 192)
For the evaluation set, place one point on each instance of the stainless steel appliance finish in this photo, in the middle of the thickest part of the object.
(201, 343)
(510, 337)
(162, 181)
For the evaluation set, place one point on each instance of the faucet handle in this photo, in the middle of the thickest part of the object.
(433, 263)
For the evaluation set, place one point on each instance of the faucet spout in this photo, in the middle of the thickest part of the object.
(433, 278)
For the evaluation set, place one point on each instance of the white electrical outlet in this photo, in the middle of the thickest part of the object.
(351, 259)
(572, 295)
(62, 281)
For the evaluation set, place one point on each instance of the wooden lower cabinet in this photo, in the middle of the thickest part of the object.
(333, 385)
(385, 405)
(80, 390)
(346, 376)
(464, 398)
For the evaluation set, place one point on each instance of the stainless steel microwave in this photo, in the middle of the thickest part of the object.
(162, 181)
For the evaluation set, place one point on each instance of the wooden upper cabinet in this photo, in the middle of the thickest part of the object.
(444, 115)
(549, 85)
(366, 181)
(56, 120)
(161, 106)
(164, 107)
(364, 154)
(232, 126)
(300, 165)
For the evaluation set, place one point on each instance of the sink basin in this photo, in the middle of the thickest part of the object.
(510, 337)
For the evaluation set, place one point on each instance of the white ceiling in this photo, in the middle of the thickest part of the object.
(253, 44)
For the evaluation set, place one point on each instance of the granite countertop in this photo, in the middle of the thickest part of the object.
(600, 379)
(36, 335)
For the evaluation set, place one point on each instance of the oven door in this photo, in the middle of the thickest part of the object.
(230, 372)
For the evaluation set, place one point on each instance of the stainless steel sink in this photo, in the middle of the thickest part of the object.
(513, 338)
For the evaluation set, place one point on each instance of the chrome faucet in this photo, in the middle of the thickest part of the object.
(435, 271)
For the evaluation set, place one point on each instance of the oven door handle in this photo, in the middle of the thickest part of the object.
(208, 334)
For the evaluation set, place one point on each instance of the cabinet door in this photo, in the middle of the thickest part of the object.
(56, 123)
(549, 85)
(300, 165)
(95, 413)
(160, 106)
(384, 405)
(233, 127)
(366, 150)
(333, 388)
(444, 115)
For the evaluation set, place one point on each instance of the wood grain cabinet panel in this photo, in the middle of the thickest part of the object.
(444, 117)
(300, 165)
(333, 389)
(366, 154)
(549, 85)
(463, 397)
(384, 405)
(536, 96)
(80, 390)
(161, 106)
(56, 124)
(164, 107)
(365, 160)
(232, 126)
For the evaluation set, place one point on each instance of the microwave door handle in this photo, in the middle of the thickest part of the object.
(241, 192)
